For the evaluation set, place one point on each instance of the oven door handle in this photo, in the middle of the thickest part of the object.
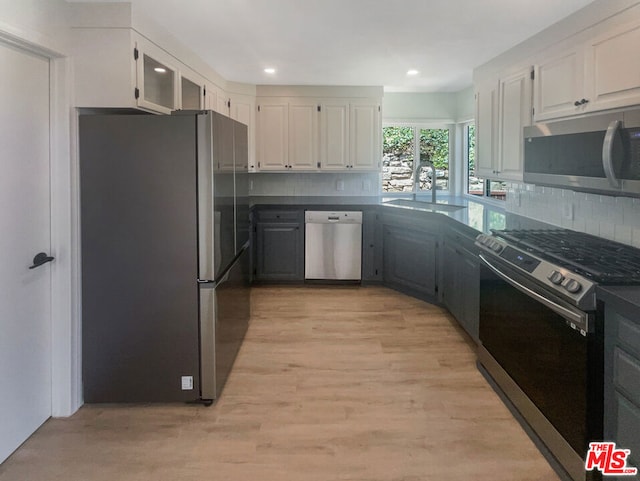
(579, 319)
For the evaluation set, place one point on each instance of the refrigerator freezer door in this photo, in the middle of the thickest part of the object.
(207, 344)
(232, 317)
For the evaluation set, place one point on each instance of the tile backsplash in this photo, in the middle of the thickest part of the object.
(615, 218)
(314, 184)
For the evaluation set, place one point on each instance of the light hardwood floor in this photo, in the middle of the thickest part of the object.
(332, 383)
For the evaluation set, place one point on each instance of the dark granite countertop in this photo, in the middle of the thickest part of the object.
(623, 299)
(479, 216)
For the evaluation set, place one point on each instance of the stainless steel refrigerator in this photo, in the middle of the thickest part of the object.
(165, 257)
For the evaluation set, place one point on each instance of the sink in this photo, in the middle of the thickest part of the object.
(425, 205)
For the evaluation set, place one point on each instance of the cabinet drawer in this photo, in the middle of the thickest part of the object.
(628, 429)
(626, 374)
(280, 215)
(628, 335)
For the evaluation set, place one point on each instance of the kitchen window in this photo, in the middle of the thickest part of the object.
(476, 186)
(402, 145)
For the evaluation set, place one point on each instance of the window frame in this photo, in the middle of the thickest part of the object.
(417, 126)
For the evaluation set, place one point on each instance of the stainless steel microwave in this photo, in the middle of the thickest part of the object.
(600, 153)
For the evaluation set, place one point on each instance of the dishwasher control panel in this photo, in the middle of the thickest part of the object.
(327, 217)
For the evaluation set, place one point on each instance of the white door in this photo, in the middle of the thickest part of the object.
(25, 299)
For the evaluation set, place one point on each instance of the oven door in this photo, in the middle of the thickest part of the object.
(550, 371)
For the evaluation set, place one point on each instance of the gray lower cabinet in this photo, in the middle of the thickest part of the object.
(461, 282)
(622, 384)
(410, 261)
(371, 247)
(279, 246)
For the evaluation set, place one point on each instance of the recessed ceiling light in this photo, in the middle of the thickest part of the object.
(412, 72)
(160, 70)
(270, 70)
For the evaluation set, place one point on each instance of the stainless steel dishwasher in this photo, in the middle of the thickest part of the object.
(333, 245)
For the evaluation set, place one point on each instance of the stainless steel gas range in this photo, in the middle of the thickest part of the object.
(541, 331)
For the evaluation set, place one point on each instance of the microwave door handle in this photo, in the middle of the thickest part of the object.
(607, 153)
(579, 318)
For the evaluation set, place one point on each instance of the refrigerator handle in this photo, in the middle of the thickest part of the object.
(206, 283)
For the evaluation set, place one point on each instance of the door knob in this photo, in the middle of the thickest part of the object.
(39, 259)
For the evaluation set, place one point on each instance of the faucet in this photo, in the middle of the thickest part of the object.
(427, 163)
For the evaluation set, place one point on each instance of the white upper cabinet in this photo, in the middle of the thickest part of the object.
(503, 108)
(334, 135)
(486, 99)
(322, 134)
(514, 113)
(157, 86)
(304, 135)
(613, 68)
(599, 74)
(192, 90)
(243, 109)
(223, 104)
(273, 136)
(558, 85)
(365, 129)
(119, 68)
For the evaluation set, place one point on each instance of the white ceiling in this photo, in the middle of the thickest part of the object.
(354, 42)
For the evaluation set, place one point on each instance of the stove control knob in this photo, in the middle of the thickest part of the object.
(496, 247)
(556, 277)
(572, 286)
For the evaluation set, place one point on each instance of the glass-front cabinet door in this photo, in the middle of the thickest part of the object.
(156, 80)
(192, 90)
(191, 94)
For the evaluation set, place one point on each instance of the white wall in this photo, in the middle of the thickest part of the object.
(40, 22)
(615, 218)
(419, 106)
(465, 105)
(314, 184)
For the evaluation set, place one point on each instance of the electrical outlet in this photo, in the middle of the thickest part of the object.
(251, 185)
(340, 185)
(366, 186)
(187, 383)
